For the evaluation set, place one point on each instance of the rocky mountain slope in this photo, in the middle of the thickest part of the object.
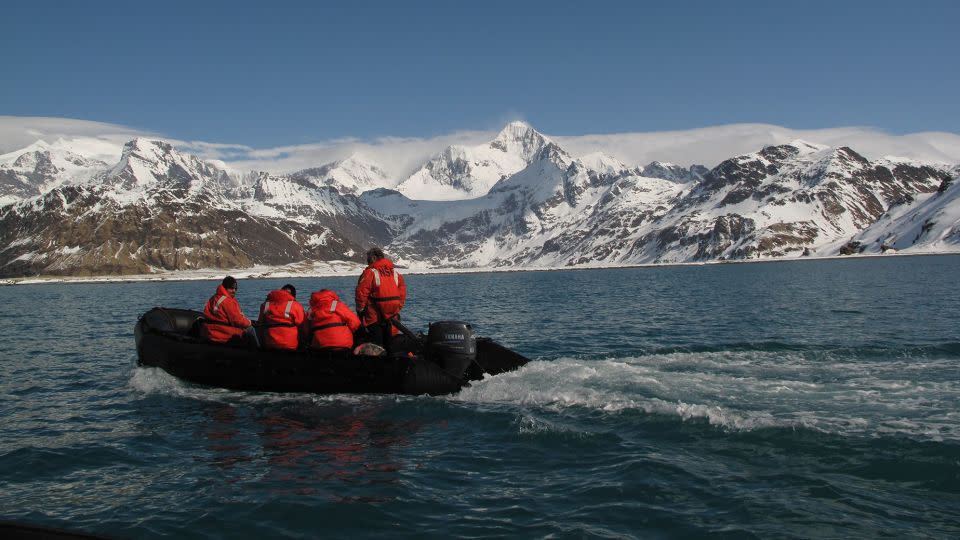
(159, 209)
(519, 201)
(41, 167)
(790, 200)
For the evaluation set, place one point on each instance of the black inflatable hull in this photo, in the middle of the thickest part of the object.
(164, 341)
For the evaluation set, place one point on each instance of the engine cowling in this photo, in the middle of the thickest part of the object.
(452, 345)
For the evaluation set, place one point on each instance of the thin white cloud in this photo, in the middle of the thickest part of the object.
(400, 156)
(21, 131)
(709, 146)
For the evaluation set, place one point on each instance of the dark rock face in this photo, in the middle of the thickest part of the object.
(852, 247)
(166, 235)
(183, 214)
(674, 173)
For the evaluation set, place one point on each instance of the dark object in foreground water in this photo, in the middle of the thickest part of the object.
(166, 338)
(14, 530)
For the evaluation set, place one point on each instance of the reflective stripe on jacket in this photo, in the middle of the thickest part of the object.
(380, 290)
(223, 319)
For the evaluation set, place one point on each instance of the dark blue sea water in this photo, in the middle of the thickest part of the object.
(815, 399)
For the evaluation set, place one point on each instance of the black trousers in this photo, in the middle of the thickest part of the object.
(372, 334)
(381, 335)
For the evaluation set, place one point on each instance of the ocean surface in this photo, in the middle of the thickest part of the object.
(813, 399)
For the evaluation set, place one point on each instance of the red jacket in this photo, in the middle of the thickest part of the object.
(331, 322)
(381, 289)
(223, 319)
(280, 319)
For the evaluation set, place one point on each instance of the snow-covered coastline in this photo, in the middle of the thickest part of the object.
(347, 268)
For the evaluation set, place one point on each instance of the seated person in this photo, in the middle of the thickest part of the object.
(331, 323)
(224, 321)
(280, 319)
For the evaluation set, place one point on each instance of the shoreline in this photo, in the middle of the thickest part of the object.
(347, 268)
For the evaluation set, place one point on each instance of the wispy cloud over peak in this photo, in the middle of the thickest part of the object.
(399, 156)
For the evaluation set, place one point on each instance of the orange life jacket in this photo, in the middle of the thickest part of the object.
(280, 318)
(331, 323)
(381, 293)
(223, 319)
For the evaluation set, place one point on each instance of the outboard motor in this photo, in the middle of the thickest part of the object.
(452, 345)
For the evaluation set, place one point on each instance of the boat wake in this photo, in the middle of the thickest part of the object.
(910, 393)
(843, 394)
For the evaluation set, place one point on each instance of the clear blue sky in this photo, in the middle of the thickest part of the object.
(276, 73)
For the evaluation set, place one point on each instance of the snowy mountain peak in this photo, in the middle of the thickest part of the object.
(352, 174)
(673, 172)
(32, 160)
(842, 161)
(59, 153)
(604, 163)
(806, 147)
(520, 139)
(149, 149)
(147, 163)
(41, 167)
(516, 130)
(12, 157)
(467, 172)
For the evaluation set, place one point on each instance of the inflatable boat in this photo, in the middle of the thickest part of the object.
(441, 362)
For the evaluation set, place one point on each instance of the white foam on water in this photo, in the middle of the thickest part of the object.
(535, 425)
(155, 381)
(732, 390)
(747, 390)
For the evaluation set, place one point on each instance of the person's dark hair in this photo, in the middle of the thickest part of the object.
(229, 282)
(290, 289)
(374, 254)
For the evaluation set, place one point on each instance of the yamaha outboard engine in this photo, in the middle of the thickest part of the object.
(452, 345)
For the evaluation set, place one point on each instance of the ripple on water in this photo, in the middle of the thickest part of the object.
(747, 400)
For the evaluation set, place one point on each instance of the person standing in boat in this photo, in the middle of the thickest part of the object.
(223, 320)
(280, 319)
(330, 323)
(381, 293)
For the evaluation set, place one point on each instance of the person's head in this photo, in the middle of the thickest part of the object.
(374, 254)
(230, 284)
(290, 289)
(321, 296)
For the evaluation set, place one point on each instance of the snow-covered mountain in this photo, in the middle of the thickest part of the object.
(790, 200)
(676, 173)
(519, 201)
(158, 208)
(41, 167)
(462, 172)
(354, 174)
(556, 211)
(929, 223)
(786, 200)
